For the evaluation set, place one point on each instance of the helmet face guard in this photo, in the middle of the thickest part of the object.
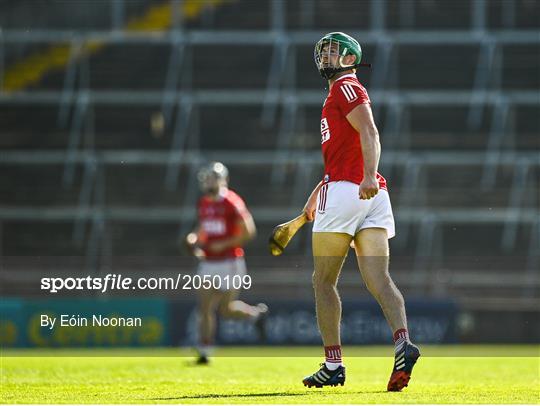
(212, 177)
(331, 50)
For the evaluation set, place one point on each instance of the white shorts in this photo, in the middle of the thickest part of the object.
(340, 210)
(222, 268)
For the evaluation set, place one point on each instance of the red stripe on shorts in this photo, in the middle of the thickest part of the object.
(322, 198)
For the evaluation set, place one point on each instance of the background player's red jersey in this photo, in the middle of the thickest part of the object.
(341, 147)
(218, 220)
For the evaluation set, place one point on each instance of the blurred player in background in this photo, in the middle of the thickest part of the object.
(224, 226)
(351, 205)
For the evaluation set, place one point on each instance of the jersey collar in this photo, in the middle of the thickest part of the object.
(348, 75)
(220, 196)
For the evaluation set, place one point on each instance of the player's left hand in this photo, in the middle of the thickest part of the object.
(368, 188)
(309, 208)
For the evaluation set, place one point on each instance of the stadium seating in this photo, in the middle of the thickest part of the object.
(83, 116)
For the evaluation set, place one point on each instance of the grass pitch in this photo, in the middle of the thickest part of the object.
(442, 375)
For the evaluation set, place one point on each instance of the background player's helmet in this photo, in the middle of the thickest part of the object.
(213, 176)
(336, 43)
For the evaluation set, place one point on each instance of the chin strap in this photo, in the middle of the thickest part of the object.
(358, 65)
(328, 73)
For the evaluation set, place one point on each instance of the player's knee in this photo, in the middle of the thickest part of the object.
(378, 287)
(322, 280)
(226, 309)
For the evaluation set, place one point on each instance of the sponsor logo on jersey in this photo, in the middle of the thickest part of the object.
(213, 226)
(325, 131)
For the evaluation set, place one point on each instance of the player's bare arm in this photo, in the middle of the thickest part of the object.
(361, 118)
(311, 204)
(247, 231)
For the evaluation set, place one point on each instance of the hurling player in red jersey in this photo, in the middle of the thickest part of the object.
(224, 226)
(351, 205)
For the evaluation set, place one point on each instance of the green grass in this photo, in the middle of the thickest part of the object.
(442, 375)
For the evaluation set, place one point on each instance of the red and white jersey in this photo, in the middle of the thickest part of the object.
(218, 220)
(341, 147)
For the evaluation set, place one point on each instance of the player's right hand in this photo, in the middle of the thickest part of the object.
(191, 244)
(368, 188)
(309, 209)
(191, 239)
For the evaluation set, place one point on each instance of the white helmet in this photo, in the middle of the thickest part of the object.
(213, 176)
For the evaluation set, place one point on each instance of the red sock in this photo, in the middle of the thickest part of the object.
(332, 354)
(401, 336)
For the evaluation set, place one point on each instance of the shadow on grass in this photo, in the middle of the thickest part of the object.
(233, 395)
(268, 394)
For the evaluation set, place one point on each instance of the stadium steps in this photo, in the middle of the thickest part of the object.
(31, 69)
(129, 126)
(436, 14)
(83, 15)
(37, 185)
(472, 240)
(134, 66)
(144, 67)
(144, 185)
(235, 15)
